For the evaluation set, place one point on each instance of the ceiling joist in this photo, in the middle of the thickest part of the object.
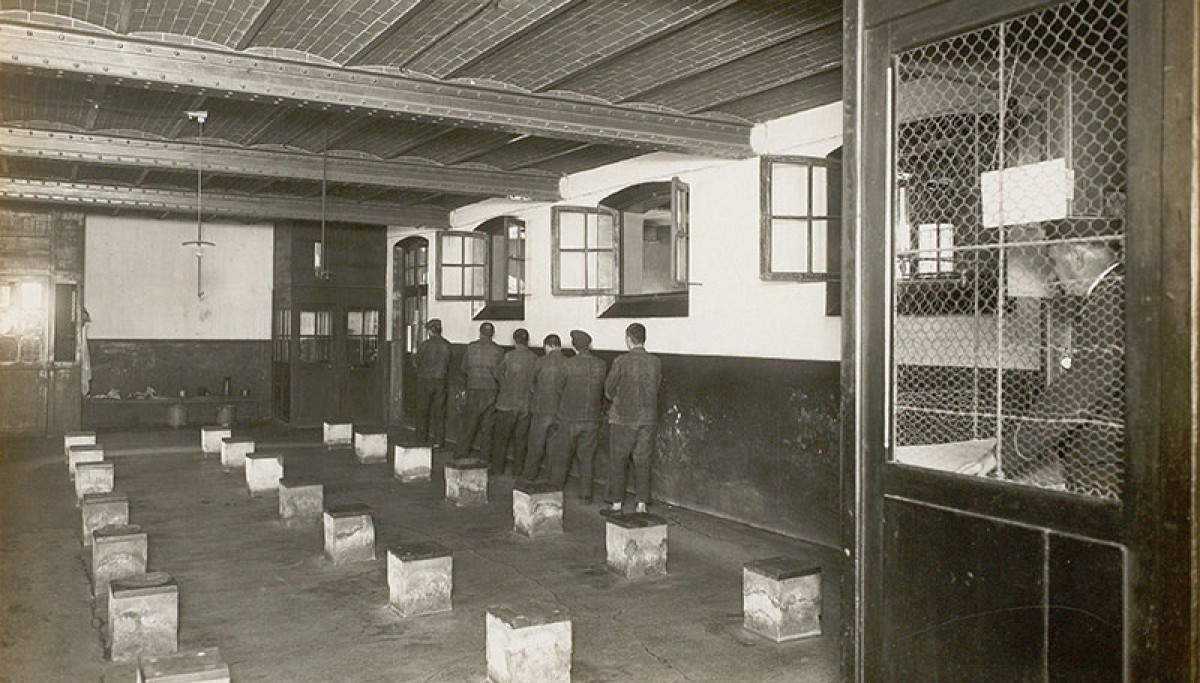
(131, 152)
(180, 202)
(198, 70)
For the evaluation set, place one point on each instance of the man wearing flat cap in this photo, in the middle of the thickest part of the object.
(481, 365)
(432, 362)
(580, 398)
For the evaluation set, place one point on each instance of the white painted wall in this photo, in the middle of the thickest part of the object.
(733, 312)
(140, 282)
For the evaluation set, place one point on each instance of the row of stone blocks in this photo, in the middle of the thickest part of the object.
(370, 445)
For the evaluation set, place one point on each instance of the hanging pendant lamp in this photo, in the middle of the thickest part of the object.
(199, 243)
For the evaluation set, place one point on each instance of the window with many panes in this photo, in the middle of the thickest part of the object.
(316, 336)
(801, 221)
(281, 343)
(504, 298)
(584, 250)
(414, 273)
(462, 266)
(362, 337)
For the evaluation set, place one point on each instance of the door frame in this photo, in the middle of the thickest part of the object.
(400, 356)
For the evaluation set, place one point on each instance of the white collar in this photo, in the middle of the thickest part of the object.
(1100, 277)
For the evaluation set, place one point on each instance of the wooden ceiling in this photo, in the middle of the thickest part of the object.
(406, 108)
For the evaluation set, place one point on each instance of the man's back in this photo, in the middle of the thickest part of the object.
(582, 389)
(632, 386)
(433, 358)
(516, 378)
(547, 374)
(482, 363)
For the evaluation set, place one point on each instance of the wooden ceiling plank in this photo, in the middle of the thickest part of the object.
(205, 71)
(178, 156)
(220, 204)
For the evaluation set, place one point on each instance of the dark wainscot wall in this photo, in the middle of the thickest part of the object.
(168, 365)
(750, 439)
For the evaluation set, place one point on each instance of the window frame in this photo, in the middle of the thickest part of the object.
(499, 246)
(832, 218)
(468, 293)
(614, 250)
(362, 350)
(323, 340)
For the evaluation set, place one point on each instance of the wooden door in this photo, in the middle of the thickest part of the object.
(410, 300)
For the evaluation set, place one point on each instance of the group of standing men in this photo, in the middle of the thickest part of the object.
(548, 409)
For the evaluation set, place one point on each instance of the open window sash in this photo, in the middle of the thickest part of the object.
(586, 251)
(680, 232)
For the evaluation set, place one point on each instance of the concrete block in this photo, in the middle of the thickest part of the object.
(196, 666)
(636, 544)
(102, 509)
(370, 446)
(349, 534)
(530, 644)
(78, 439)
(143, 616)
(78, 454)
(781, 598)
(467, 482)
(413, 463)
(338, 434)
(118, 551)
(263, 472)
(301, 500)
(93, 477)
(537, 509)
(420, 579)
(211, 437)
(234, 451)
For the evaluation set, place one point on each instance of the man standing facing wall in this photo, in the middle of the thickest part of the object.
(512, 405)
(432, 361)
(480, 365)
(632, 387)
(581, 392)
(547, 371)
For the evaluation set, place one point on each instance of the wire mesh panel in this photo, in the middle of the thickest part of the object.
(1008, 207)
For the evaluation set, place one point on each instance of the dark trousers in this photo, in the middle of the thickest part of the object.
(512, 426)
(541, 431)
(478, 414)
(431, 408)
(626, 443)
(574, 441)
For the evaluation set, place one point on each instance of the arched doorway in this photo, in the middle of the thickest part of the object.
(410, 304)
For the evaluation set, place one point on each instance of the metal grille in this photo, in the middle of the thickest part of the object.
(1008, 206)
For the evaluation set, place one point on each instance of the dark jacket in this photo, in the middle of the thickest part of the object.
(481, 364)
(547, 373)
(433, 358)
(516, 380)
(581, 389)
(632, 386)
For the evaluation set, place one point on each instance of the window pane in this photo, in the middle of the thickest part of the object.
(820, 191)
(476, 282)
(354, 323)
(820, 246)
(571, 229)
(789, 246)
(452, 248)
(308, 323)
(452, 281)
(601, 265)
(478, 252)
(572, 271)
(604, 230)
(789, 189)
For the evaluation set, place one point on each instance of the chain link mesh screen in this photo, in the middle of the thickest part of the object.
(1008, 300)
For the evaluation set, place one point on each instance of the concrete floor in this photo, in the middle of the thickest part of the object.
(279, 612)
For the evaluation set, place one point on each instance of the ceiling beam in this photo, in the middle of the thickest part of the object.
(199, 70)
(179, 156)
(264, 15)
(220, 204)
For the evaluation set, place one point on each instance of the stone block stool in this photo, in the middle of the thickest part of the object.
(531, 644)
(413, 463)
(92, 478)
(349, 534)
(301, 500)
(370, 445)
(337, 434)
(80, 454)
(467, 482)
(197, 666)
(143, 616)
(102, 509)
(636, 544)
(211, 437)
(118, 551)
(537, 509)
(77, 439)
(781, 598)
(420, 579)
(263, 472)
(234, 451)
